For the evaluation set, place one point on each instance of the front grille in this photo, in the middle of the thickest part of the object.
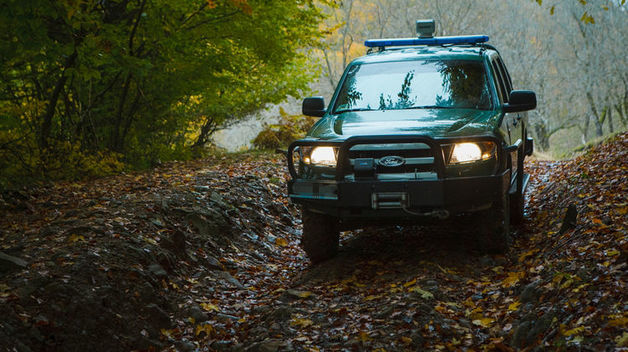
(417, 157)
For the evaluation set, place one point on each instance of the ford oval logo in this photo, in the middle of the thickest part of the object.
(391, 161)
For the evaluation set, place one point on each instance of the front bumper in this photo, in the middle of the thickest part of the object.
(433, 194)
(350, 199)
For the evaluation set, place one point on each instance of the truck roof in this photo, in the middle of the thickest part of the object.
(453, 52)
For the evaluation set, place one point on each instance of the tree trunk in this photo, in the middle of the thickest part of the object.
(114, 143)
(541, 134)
(585, 129)
(52, 103)
(609, 116)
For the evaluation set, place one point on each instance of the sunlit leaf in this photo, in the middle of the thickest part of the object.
(204, 328)
(301, 322)
(210, 307)
(483, 322)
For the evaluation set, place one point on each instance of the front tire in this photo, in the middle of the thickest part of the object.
(494, 237)
(320, 236)
(516, 209)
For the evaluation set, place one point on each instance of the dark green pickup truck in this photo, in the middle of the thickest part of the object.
(418, 130)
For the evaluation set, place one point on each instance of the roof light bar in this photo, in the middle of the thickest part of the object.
(467, 39)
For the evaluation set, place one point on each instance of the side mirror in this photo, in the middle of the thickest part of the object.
(521, 100)
(314, 106)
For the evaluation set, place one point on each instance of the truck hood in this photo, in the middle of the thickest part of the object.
(431, 122)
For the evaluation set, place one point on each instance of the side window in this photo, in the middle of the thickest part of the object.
(499, 82)
(505, 74)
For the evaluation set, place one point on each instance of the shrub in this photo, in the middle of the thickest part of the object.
(281, 134)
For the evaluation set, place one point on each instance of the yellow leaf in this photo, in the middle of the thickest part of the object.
(167, 333)
(210, 307)
(303, 323)
(566, 283)
(483, 322)
(409, 283)
(206, 328)
(281, 242)
(522, 256)
(622, 341)
(75, 238)
(424, 294)
(304, 294)
(513, 278)
(364, 337)
(619, 322)
(574, 331)
(513, 306)
(612, 253)
(406, 340)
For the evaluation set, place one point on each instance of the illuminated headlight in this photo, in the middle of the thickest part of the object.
(324, 156)
(470, 152)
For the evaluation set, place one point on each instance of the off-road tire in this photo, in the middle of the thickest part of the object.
(516, 209)
(320, 236)
(494, 236)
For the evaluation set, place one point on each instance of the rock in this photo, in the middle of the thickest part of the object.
(158, 271)
(9, 262)
(531, 292)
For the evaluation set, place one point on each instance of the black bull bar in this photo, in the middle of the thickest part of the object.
(435, 144)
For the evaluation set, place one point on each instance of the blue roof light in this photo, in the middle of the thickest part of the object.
(467, 39)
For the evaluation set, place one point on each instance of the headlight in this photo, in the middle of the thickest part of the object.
(324, 156)
(470, 152)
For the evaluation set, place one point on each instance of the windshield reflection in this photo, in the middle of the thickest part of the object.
(415, 85)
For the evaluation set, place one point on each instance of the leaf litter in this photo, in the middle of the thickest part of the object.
(204, 256)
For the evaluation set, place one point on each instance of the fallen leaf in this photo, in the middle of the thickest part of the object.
(574, 331)
(513, 278)
(300, 322)
(206, 328)
(513, 306)
(483, 322)
(210, 307)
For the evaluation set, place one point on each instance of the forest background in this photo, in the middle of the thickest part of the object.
(90, 88)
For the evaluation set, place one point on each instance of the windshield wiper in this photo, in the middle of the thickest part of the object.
(351, 110)
(432, 107)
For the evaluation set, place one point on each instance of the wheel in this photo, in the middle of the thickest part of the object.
(516, 209)
(320, 236)
(494, 237)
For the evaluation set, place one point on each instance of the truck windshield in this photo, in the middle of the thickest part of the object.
(428, 84)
